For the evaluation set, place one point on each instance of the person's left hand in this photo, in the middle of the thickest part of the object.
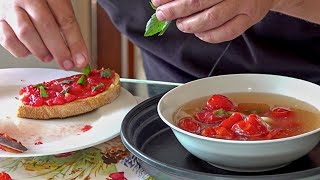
(213, 21)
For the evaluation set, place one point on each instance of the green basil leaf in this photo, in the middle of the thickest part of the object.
(65, 90)
(93, 88)
(39, 85)
(153, 6)
(154, 26)
(164, 29)
(66, 81)
(221, 113)
(87, 70)
(81, 80)
(43, 92)
(106, 73)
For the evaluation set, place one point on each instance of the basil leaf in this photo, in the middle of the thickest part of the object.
(43, 92)
(93, 88)
(221, 113)
(153, 6)
(87, 70)
(106, 73)
(66, 81)
(65, 90)
(154, 26)
(166, 26)
(38, 85)
(81, 80)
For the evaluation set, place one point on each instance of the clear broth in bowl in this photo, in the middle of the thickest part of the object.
(264, 116)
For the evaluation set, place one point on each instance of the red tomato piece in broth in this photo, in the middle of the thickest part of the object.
(217, 132)
(189, 125)
(209, 132)
(230, 121)
(243, 128)
(280, 113)
(257, 122)
(209, 116)
(218, 101)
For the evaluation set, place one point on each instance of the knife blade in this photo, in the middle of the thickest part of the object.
(10, 144)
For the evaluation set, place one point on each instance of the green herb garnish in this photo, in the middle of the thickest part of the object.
(87, 70)
(43, 92)
(66, 81)
(93, 88)
(38, 85)
(81, 80)
(153, 6)
(221, 113)
(65, 90)
(252, 111)
(106, 73)
(154, 26)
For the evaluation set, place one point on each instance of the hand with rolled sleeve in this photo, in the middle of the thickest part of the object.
(213, 21)
(46, 29)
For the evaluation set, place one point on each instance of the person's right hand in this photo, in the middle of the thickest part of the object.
(45, 28)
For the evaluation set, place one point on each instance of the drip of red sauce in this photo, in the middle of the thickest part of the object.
(86, 128)
(31, 94)
(38, 143)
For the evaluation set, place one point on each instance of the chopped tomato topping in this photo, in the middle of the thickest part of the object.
(64, 90)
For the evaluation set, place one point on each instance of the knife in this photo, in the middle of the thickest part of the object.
(11, 145)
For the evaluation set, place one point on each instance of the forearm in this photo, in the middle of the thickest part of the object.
(304, 9)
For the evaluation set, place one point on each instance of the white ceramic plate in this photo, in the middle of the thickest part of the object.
(58, 135)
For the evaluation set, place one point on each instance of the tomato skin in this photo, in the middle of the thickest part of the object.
(229, 122)
(218, 101)
(280, 113)
(5, 176)
(189, 125)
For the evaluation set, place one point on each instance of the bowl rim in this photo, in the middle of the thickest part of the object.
(173, 127)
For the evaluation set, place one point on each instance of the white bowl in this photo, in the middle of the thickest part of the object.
(248, 156)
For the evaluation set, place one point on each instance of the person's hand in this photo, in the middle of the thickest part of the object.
(213, 21)
(45, 28)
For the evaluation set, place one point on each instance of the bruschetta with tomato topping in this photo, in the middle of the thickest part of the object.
(69, 96)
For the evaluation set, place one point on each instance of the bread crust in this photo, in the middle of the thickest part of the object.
(73, 108)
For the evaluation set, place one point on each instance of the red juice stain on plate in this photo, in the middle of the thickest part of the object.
(38, 141)
(86, 128)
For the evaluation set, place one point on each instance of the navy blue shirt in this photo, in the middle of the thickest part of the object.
(279, 44)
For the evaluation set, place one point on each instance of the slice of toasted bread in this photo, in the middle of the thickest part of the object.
(73, 108)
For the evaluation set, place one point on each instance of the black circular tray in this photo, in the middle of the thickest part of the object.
(161, 155)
